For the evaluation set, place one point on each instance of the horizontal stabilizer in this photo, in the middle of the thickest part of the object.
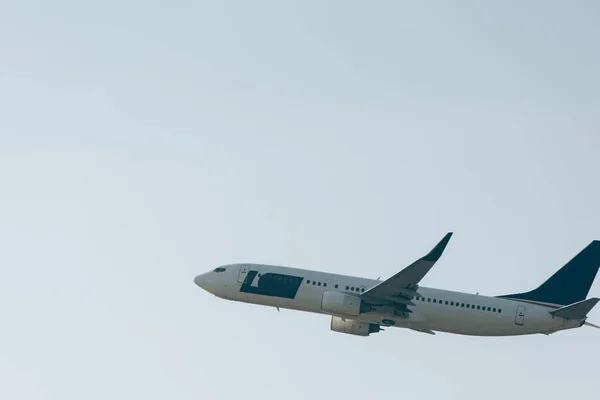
(577, 310)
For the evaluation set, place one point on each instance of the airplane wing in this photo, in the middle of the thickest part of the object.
(398, 290)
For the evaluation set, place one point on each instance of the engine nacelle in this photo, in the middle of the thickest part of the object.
(353, 327)
(343, 304)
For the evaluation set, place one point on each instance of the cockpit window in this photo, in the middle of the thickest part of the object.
(220, 269)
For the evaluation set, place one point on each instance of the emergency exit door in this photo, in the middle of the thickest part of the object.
(243, 273)
(520, 317)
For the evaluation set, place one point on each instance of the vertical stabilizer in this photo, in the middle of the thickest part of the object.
(571, 283)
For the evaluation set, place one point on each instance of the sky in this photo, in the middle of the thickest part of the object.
(143, 143)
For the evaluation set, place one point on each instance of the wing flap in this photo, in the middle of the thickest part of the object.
(428, 331)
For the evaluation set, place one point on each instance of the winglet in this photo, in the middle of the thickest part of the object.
(437, 251)
(407, 280)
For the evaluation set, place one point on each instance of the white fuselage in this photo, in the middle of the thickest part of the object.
(438, 310)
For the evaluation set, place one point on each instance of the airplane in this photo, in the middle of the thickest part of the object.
(361, 306)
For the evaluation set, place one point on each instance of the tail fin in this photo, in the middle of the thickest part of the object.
(571, 283)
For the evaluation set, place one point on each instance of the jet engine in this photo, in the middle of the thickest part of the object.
(353, 327)
(343, 304)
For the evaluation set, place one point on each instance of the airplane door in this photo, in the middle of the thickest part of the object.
(520, 318)
(243, 273)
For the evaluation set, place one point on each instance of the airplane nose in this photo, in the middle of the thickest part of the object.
(199, 280)
(206, 281)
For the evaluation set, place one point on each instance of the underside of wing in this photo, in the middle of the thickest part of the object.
(400, 289)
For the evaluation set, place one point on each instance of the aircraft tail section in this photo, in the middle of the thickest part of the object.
(577, 310)
(570, 284)
(592, 325)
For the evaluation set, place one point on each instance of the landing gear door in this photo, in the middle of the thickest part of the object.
(520, 317)
(243, 273)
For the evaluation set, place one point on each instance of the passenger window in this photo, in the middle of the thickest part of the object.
(446, 302)
(336, 285)
(434, 300)
(362, 290)
(347, 287)
(451, 303)
(489, 308)
(325, 284)
(352, 288)
(429, 299)
(478, 307)
(493, 309)
(314, 283)
(319, 283)
(499, 310)
(308, 282)
(462, 304)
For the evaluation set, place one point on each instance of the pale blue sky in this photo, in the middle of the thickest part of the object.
(142, 143)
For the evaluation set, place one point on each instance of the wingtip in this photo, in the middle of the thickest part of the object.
(437, 251)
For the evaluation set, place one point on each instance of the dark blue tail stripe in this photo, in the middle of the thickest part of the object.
(571, 283)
